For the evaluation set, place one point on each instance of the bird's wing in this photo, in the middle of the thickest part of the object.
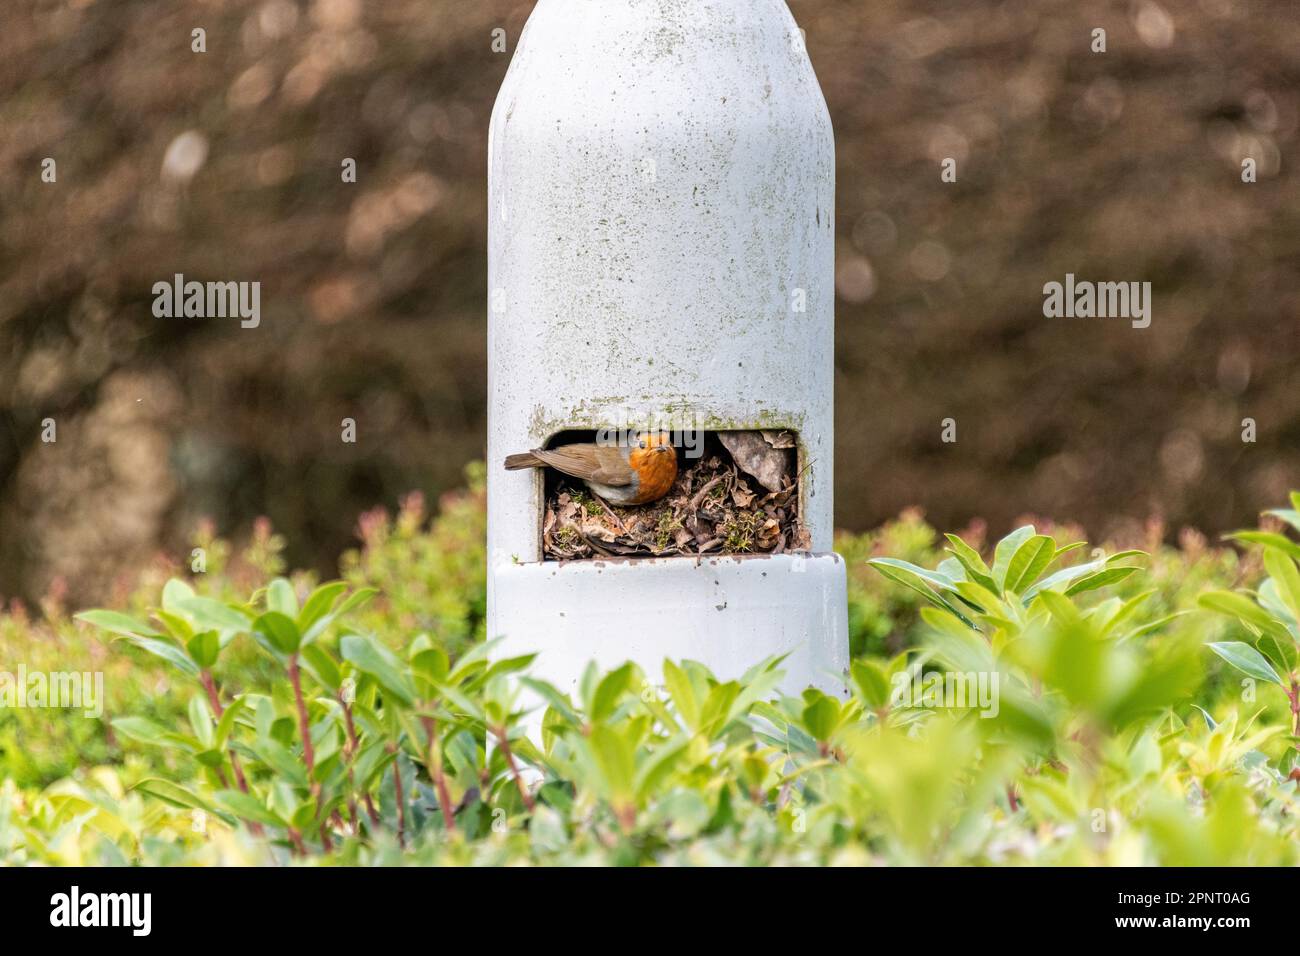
(603, 464)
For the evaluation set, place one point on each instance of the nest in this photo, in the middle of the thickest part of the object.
(713, 508)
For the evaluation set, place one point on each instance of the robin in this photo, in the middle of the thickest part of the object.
(629, 473)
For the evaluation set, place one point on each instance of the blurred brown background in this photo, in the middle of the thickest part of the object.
(225, 165)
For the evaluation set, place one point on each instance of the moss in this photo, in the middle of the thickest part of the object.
(568, 538)
(738, 532)
(586, 502)
(665, 528)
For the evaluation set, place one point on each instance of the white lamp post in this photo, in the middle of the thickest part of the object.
(661, 243)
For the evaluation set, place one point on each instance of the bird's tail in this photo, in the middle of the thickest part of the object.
(526, 460)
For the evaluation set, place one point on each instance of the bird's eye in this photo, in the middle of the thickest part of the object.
(642, 442)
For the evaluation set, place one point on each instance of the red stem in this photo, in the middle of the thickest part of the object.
(401, 803)
(514, 769)
(214, 699)
(353, 746)
(439, 778)
(308, 751)
(304, 727)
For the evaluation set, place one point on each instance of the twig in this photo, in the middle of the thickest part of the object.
(618, 523)
(708, 486)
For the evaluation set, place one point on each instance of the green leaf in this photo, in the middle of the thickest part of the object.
(755, 687)
(204, 648)
(141, 730)
(717, 707)
(280, 597)
(1269, 539)
(934, 579)
(610, 691)
(211, 614)
(657, 769)
(358, 598)
(429, 661)
(381, 664)
(1101, 579)
(978, 596)
(175, 591)
(467, 705)
(1125, 555)
(1247, 660)
(683, 694)
(557, 701)
(1282, 570)
(1122, 612)
(970, 559)
(922, 582)
(1150, 627)
(227, 722)
(1242, 608)
(278, 630)
(326, 621)
(201, 720)
(1006, 550)
(616, 759)
(1029, 561)
(247, 807)
(1281, 654)
(160, 647)
(1063, 576)
(180, 629)
(508, 665)
(116, 623)
(176, 795)
(318, 604)
(1061, 608)
(871, 682)
(821, 716)
(280, 759)
(322, 667)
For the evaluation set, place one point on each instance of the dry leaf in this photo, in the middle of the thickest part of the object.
(772, 467)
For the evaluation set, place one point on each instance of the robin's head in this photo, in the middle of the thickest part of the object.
(648, 447)
(660, 442)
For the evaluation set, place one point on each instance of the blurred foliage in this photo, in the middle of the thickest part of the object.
(1117, 738)
(226, 165)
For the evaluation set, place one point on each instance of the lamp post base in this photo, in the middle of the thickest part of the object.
(728, 613)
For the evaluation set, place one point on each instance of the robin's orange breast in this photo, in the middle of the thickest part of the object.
(656, 471)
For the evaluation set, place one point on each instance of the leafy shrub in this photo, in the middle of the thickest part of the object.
(433, 580)
(328, 723)
(1270, 619)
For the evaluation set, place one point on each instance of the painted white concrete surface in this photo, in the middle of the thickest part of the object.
(728, 613)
